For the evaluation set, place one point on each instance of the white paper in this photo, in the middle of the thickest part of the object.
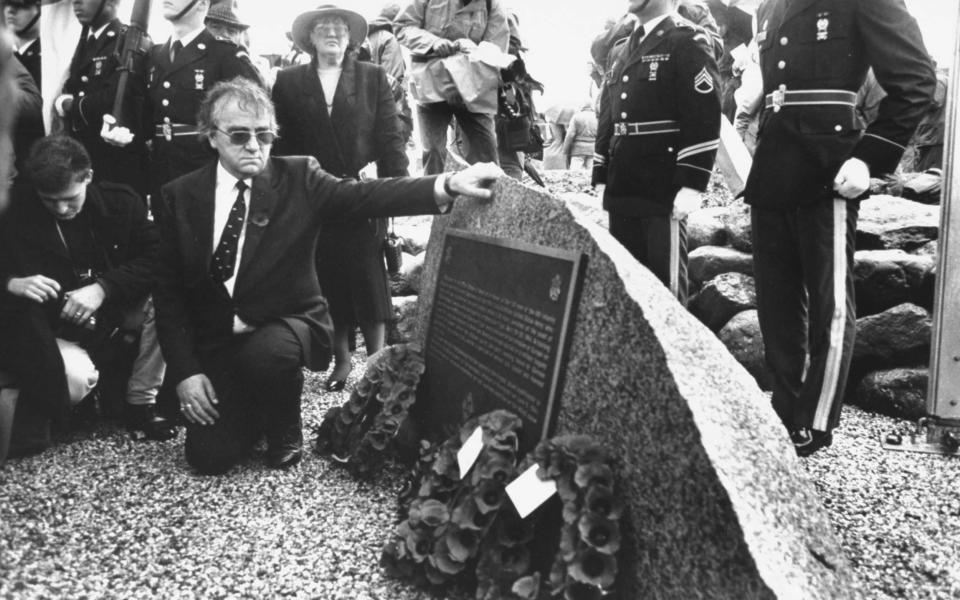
(489, 54)
(470, 451)
(528, 492)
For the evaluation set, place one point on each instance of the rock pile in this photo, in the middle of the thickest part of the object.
(894, 272)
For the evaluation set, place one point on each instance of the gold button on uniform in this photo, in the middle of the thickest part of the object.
(626, 78)
(838, 128)
(623, 96)
(783, 41)
(166, 84)
(84, 78)
(782, 64)
(165, 102)
(623, 115)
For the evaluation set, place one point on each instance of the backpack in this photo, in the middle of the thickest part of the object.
(516, 116)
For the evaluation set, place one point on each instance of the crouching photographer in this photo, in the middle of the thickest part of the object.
(76, 264)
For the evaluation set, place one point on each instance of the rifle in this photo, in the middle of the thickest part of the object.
(135, 42)
(533, 173)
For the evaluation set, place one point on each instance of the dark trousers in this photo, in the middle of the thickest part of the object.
(658, 243)
(803, 263)
(258, 380)
(479, 135)
(29, 352)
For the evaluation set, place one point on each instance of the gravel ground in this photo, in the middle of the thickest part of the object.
(103, 516)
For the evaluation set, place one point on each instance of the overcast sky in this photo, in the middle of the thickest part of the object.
(557, 32)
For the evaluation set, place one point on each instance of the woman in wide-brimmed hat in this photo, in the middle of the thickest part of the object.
(342, 112)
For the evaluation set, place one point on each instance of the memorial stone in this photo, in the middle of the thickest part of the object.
(719, 505)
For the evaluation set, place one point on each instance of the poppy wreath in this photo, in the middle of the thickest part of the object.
(585, 564)
(367, 428)
(446, 518)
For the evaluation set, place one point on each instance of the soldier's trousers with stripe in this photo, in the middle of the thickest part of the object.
(658, 243)
(803, 262)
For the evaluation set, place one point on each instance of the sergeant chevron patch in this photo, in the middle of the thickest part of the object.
(703, 83)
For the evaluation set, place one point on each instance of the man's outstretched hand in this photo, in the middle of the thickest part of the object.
(475, 181)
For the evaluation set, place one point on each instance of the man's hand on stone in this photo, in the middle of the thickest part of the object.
(197, 400)
(443, 47)
(81, 303)
(115, 136)
(686, 201)
(35, 287)
(475, 180)
(853, 179)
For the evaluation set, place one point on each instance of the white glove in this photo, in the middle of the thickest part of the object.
(63, 104)
(115, 136)
(600, 188)
(686, 201)
(853, 178)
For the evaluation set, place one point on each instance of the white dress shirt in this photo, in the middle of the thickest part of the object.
(650, 26)
(224, 196)
(329, 78)
(185, 40)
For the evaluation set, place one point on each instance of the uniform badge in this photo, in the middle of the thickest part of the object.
(111, 33)
(703, 83)
(654, 67)
(98, 67)
(198, 79)
(201, 46)
(823, 23)
(150, 75)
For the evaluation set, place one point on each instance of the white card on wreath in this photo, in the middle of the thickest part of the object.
(528, 492)
(470, 451)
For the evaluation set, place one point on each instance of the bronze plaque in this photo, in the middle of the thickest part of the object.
(499, 332)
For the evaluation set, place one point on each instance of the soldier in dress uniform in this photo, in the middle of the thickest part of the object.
(657, 137)
(813, 163)
(23, 18)
(179, 72)
(91, 89)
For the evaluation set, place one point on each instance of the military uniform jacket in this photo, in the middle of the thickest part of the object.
(176, 89)
(31, 60)
(93, 80)
(659, 120)
(823, 47)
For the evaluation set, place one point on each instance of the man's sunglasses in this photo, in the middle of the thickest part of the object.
(242, 137)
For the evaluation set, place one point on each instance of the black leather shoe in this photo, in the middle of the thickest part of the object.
(143, 419)
(806, 441)
(335, 385)
(285, 449)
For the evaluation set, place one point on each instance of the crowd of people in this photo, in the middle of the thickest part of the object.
(200, 226)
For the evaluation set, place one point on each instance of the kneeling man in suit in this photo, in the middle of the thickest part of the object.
(239, 308)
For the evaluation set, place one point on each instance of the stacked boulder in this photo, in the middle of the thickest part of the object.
(894, 271)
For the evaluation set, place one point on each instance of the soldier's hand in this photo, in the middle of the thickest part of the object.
(35, 287)
(475, 180)
(686, 201)
(853, 178)
(600, 188)
(444, 47)
(113, 135)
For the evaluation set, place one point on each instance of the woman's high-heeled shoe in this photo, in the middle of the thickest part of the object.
(335, 385)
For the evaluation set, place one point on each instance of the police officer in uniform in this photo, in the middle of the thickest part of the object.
(91, 89)
(179, 72)
(23, 18)
(813, 163)
(657, 137)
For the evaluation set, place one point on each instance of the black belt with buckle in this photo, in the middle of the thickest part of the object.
(168, 131)
(782, 97)
(646, 128)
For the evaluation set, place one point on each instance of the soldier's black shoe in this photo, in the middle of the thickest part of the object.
(806, 441)
(144, 422)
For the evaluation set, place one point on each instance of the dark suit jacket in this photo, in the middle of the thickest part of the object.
(363, 126)
(30, 245)
(276, 277)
